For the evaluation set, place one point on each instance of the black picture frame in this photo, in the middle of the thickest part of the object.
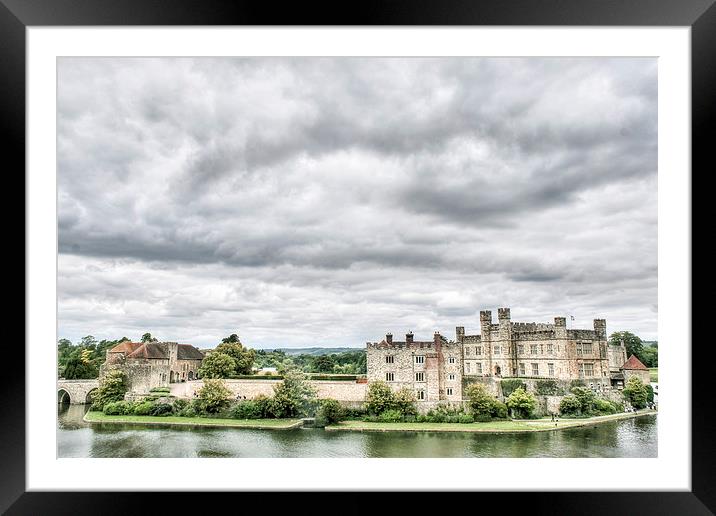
(700, 15)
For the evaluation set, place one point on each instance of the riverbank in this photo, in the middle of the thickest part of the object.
(495, 427)
(255, 424)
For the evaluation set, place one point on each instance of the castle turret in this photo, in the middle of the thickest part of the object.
(409, 337)
(459, 333)
(503, 315)
(560, 327)
(485, 322)
(389, 338)
(600, 328)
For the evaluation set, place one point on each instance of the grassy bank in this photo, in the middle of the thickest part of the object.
(512, 426)
(260, 424)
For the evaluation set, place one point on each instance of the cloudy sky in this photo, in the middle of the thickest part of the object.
(326, 201)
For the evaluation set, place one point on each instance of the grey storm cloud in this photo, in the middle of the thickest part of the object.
(324, 201)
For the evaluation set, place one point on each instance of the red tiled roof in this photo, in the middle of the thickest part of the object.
(634, 363)
(149, 350)
(125, 347)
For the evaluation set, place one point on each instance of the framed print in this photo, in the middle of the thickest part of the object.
(420, 248)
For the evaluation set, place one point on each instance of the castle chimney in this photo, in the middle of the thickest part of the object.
(409, 337)
(389, 338)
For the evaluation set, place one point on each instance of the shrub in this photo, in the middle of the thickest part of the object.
(577, 383)
(649, 393)
(569, 405)
(213, 397)
(116, 408)
(547, 388)
(586, 398)
(143, 408)
(465, 418)
(263, 403)
(521, 403)
(179, 404)
(354, 413)
(247, 409)
(188, 411)
(161, 409)
(482, 418)
(329, 412)
(391, 416)
(160, 390)
(604, 406)
(510, 385)
(379, 398)
(500, 410)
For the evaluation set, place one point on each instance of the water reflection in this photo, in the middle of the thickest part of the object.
(627, 438)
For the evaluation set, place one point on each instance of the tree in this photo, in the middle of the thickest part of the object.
(323, 364)
(293, 397)
(329, 412)
(480, 401)
(77, 369)
(405, 402)
(112, 387)
(213, 396)
(635, 392)
(586, 399)
(521, 403)
(243, 357)
(147, 337)
(632, 343)
(217, 365)
(231, 339)
(650, 356)
(379, 398)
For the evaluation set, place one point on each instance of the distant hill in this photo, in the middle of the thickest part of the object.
(312, 351)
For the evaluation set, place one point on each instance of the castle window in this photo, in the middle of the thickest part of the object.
(420, 359)
(522, 370)
(586, 370)
(587, 348)
(520, 348)
(478, 368)
(451, 360)
(419, 377)
(467, 367)
(550, 369)
(497, 350)
(535, 369)
(389, 359)
(449, 391)
(478, 350)
(550, 349)
(389, 377)
(467, 351)
(421, 394)
(533, 349)
(451, 377)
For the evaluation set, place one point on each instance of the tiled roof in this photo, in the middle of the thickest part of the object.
(188, 352)
(125, 347)
(634, 363)
(149, 350)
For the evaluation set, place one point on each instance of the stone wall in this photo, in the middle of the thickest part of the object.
(352, 393)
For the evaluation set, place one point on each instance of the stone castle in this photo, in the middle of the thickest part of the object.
(436, 370)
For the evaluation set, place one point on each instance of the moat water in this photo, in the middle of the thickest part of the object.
(635, 437)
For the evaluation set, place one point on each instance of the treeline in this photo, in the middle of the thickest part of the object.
(347, 362)
(646, 351)
(82, 360)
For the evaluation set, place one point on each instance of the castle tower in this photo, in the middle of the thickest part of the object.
(459, 333)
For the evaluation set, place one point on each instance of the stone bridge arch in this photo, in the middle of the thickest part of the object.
(78, 391)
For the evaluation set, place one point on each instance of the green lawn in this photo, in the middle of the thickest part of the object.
(654, 373)
(273, 424)
(536, 425)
